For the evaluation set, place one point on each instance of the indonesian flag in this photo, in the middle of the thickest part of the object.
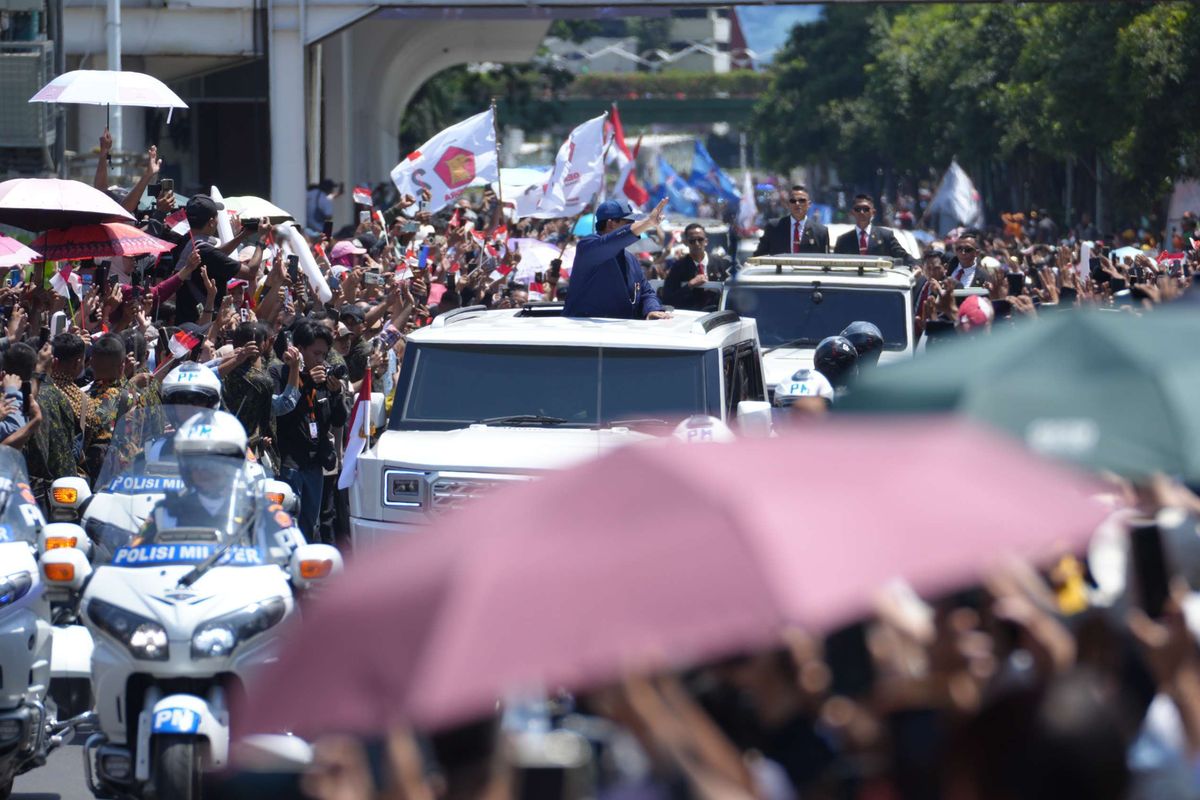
(183, 343)
(362, 196)
(359, 434)
(626, 161)
(450, 162)
(64, 282)
(177, 222)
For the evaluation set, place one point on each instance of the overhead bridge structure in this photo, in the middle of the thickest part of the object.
(339, 75)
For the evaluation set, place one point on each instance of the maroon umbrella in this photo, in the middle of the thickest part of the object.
(679, 552)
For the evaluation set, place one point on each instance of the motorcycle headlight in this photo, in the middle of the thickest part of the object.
(143, 638)
(218, 637)
(13, 587)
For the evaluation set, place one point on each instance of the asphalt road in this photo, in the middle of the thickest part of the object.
(60, 779)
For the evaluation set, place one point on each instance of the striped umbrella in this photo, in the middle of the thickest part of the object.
(104, 240)
(15, 254)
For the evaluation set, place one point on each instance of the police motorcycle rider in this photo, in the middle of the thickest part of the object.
(210, 448)
(808, 392)
(836, 359)
(867, 340)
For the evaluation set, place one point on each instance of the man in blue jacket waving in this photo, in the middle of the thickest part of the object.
(606, 280)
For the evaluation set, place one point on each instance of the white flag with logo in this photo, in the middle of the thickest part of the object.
(956, 202)
(578, 172)
(448, 163)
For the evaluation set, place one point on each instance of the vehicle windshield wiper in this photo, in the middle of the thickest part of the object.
(522, 419)
(198, 571)
(793, 343)
(638, 421)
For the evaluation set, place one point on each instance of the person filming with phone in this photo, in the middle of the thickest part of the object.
(606, 280)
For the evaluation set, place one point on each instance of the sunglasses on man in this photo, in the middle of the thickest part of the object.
(696, 241)
(967, 249)
(799, 201)
(862, 209)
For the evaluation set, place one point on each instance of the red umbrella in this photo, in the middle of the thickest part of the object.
(682, 552)
(103, 240)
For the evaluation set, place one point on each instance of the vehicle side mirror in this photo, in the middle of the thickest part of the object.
(65, 568)
(312, 563)
(378, 410)
(754, 418)
(280, 493)
(62, 535)
(67, 497)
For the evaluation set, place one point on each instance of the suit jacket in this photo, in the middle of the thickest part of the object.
(676, 293)
(607, 281)
(777, 238)
(880, 242)
(980, 278)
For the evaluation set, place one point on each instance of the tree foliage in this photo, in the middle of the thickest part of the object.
(1015, 92)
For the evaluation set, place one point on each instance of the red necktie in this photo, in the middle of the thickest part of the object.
(862, 243)
(795, 236)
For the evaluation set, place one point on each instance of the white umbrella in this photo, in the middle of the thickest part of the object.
(39, 204)
(249, 206)
(15, 254)
(1122, 252)
(102, 87)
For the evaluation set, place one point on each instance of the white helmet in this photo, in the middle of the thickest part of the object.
(192, 384)
(703, 429)
(805, 383)
(211, 433)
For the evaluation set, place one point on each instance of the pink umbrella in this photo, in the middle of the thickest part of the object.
(14, 254)
(681, 552)
(38, 204)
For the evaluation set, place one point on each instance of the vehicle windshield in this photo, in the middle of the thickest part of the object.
(787, 314)
(20, 518)
(217, 502)
(450, 386)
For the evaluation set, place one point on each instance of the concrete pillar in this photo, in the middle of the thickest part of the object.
(286, 69)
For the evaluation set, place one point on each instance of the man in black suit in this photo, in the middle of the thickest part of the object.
(865, 239)
(796, 233)
(687, 274)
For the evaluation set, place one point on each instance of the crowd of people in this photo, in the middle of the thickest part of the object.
(1018, 688)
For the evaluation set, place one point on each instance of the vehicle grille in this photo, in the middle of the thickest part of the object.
(451, 493)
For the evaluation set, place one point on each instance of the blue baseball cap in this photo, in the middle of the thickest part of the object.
(614, 209)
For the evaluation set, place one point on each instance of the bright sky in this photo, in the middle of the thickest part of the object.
(767, 27)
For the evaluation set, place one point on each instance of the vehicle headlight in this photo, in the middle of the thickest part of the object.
(143, 638)
(404, 488)
(13, 587)
(218, 637)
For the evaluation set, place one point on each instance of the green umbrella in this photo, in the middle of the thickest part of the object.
(1107, 390)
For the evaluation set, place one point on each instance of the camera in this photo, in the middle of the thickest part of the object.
(339, 371)
(371, 278)
(250, 224)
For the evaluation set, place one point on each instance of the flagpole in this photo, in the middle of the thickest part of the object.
(499, 177)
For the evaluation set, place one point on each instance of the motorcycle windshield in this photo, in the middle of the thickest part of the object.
(218, 505)
(20, 518)
(141, 457)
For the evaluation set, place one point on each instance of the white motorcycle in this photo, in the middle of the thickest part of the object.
(29, 729)
(182, 611)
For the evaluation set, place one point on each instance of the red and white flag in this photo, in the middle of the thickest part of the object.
(362, 196)
(627, 186)
(183, 343)
(64, 282)
(359, 434)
